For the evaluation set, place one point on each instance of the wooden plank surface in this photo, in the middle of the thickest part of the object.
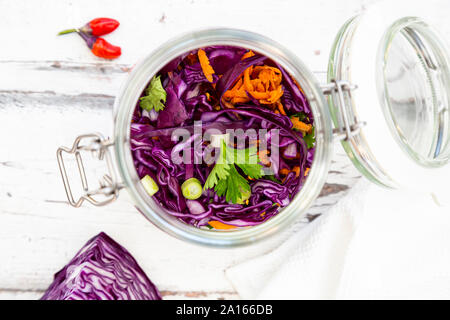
(53, 89)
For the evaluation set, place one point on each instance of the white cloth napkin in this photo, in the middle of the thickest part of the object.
(374, 244)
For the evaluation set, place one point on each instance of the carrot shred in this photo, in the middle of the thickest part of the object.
(248, 85)
(220, 225)
(260, 95)
(281, 108)
(227, 104)
(248, 54)
(260, 87)
(306, 171)
(274, 96)
(237, 86)
(284, 171)
(239, 100)
(296, 169)
(262, 83)
(299, 125)
(208, 71)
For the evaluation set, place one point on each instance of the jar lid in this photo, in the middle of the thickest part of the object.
(400, 66)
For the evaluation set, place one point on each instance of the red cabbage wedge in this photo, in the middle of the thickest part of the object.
(102, 270)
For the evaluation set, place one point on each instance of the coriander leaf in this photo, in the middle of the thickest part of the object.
(155, 96)
(217, 174)
(247, 160)
(221, 187)
(224, 177)
(300, 115)
(252, 170)
(234, 185)
(310, 139)
(220, 170)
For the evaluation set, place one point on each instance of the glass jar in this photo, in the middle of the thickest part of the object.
(398, 83)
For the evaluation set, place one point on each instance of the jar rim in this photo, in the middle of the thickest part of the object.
(138, 80)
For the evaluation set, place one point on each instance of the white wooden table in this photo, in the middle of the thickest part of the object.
(52, 89)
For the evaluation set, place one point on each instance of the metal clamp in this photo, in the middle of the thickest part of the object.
(347, 125)
(108, 190)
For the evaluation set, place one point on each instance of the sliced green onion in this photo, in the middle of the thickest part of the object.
(216, 139)
(245, 195)
(192, 189)
(149, 185)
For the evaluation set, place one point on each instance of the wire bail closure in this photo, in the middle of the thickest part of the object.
(340, 94)
(98, 146)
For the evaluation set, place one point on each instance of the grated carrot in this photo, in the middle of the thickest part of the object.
(260, 95)
(299, 125)
(237, 86)
(281, 108)
(263, 83)
(248, 85)
(220, 225)
(208, 71)
(296, 169)
(239, 100)
(248, 54)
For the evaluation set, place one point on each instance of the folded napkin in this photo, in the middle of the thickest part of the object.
(374, 244)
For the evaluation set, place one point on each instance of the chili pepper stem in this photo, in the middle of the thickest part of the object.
(68, 31)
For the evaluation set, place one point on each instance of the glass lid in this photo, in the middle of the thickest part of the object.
(398, 67)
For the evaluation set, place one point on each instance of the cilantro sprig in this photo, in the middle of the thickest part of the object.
(300, 115)
(155, 96)
(310, 139)
(224, 177)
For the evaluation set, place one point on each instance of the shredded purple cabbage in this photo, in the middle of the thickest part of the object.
(191, 97)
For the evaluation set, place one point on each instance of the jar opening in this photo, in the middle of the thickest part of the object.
(413, 88)
(138, 80)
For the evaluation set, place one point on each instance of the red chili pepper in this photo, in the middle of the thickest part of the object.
(100, 47)
(96, 27)
(101, 26)
(104, 49)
